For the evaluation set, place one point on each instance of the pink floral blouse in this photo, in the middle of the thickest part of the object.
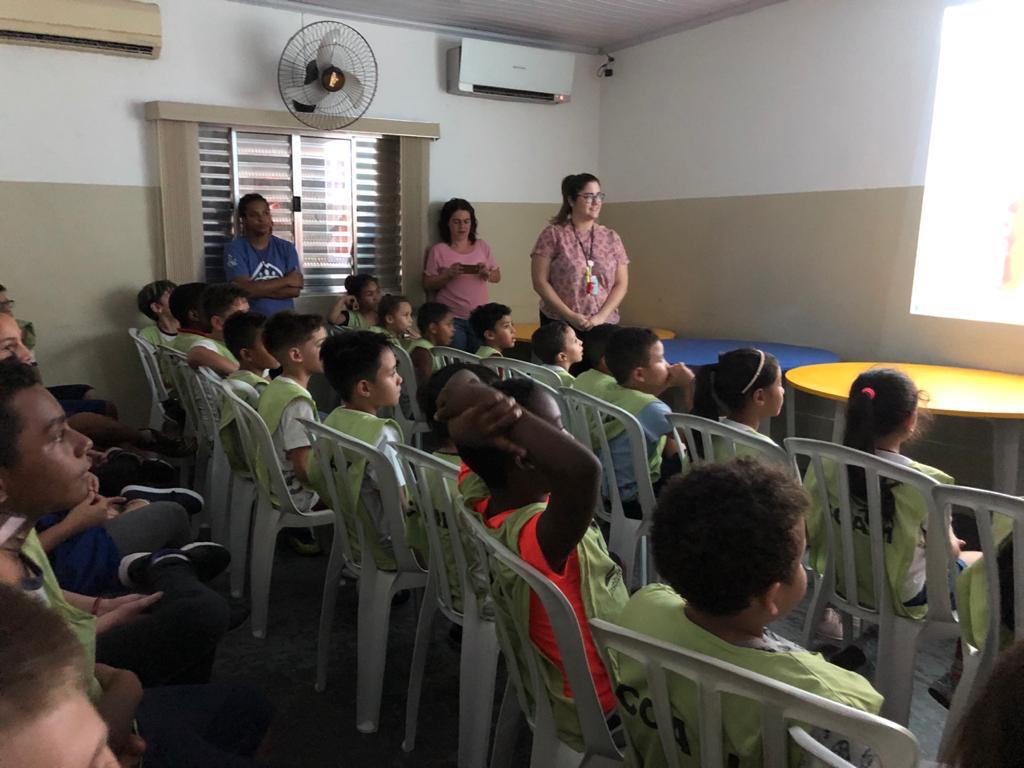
(569, 252)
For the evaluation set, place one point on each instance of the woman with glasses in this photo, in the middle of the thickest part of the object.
(580, 269)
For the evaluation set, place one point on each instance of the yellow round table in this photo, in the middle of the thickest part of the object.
(966, 392)
(524, 331)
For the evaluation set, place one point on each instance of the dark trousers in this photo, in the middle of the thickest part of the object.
(175, 641)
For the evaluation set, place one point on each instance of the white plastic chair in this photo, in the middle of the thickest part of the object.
(450, 590)
(983, 506)
(509, 366)
(376, 587)
(275, 507)
(242, 488)
(158, 393)
(176, 365)
(628, 538)
(786, 711)
(449, 355)
(408, 413)
(898, 636)
(217, 490)
(718, 441)
(527, 693)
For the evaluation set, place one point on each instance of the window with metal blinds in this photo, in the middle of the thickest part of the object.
(337, 198)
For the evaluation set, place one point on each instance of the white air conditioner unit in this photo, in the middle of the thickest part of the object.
(123, 27)
(503, 71)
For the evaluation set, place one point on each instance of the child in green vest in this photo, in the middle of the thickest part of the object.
(395, 315)
(363, 370)
(154, 302)
(357, 309)
(596, 377)
(219, 302)
(882, 414)
(636, 359)
(558, 347)
(437, 329)
(493, 323)
(543, 489)
(727, 539)
(186, 305)
(243, 336)
(293, 340)
(741, 390)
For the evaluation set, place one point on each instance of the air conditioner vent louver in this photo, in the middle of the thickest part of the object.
(81, 43)
(490, 90)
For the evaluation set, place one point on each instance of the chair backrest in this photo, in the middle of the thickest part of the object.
(841, 526)
(509, 366)
(408, 413)
(522, 655)
(150, 366)
(449, 355)
(245, 391)
(340, 451)
(1000, 522)
(177, 367)
(260, 454)
(718, 442)
(588, 418)
(208, 400)
(786, 711)
(430, 482)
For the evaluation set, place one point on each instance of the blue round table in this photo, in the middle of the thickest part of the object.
(697, 352)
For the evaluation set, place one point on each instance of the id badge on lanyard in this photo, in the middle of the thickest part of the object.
(591, 285)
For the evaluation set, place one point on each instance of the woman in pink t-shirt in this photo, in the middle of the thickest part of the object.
(459, 268)
(580, 269)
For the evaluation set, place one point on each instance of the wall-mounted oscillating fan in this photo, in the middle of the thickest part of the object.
(327, 75)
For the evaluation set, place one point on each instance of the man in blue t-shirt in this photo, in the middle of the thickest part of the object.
(267, 267)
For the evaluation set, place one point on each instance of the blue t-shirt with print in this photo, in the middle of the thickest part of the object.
(279, 258)
(654, 422)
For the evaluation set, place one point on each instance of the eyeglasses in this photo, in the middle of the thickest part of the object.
(592, 197)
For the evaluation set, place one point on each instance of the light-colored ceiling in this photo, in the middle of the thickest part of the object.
(594, 25)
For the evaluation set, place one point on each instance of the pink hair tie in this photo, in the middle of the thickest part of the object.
(869, 392)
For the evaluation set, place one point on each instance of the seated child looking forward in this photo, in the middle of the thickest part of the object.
(727, 539)
(543, 487)
(362, 368)
(243, 336)
(294, 341)
(741, 390)
(219, 302)
(493, 323)
(437, 329)
(154, 302)
(395, 315)
(597, 376)
(881, 414)
(556, 345)
(636, 359)
(357, 309)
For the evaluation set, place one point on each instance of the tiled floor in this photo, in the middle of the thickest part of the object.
(317, 730)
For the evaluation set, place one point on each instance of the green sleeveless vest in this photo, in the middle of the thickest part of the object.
(183, 342)
(368, 428)
(634, 401)
(593, 382)
(566, 378)
(604, 595)
(972, 593)
(486, 351)
(722, 452)
(273, 400)
(899, 543)
(657, 611)
(435, 363)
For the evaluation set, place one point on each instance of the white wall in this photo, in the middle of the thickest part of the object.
(75, 117)
(800, 96)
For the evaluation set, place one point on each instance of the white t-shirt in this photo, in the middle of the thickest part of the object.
(290, 435)
(370, 489)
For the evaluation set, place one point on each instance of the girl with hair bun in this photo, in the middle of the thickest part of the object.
(579, 268)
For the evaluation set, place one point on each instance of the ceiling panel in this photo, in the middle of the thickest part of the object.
(599, 25)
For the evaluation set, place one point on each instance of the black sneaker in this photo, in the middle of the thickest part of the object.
(158, 473)
(208, 558)
(190, 500)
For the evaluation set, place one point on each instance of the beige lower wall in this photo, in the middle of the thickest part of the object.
(74, 258)
(826, 269)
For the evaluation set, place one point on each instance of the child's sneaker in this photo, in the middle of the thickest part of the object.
(206, 558)
(190, 500)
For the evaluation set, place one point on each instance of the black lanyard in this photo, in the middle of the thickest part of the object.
(587, 256)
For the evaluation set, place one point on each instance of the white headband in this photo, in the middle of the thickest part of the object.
(760, 365)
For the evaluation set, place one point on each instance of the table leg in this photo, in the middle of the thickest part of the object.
(839, 422)
(1005, 455)
(790, 410)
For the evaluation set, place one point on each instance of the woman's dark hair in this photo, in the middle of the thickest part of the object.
(722, 388)
(356, 284)
(245, 200)
(447, 211)
(880, 402)
(389, 305)
(988, 735)
(572, 185)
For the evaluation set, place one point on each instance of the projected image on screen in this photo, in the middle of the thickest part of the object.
(970, 250)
